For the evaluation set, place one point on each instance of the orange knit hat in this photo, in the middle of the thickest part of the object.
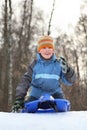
(45, 41)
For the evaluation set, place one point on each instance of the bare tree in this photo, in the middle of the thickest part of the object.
(6, 73)
(21, 29)
(5, 62)
(50, 20)
(10, 57)
(30, 19)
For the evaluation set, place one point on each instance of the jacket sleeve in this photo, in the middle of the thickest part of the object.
(24, 85)
(69, 78)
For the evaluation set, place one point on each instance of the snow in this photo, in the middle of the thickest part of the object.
(73, 120)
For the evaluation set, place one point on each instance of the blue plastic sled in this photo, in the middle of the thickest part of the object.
(47, 103)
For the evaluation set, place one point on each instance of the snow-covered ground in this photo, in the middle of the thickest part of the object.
(75, 120)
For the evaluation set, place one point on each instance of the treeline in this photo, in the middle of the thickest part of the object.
(18, 39)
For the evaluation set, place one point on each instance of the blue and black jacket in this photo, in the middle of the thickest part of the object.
(44, 76)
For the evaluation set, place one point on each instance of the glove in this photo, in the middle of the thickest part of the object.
(64, 65)
(18, 104)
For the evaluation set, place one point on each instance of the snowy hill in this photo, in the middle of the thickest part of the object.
(75, 120)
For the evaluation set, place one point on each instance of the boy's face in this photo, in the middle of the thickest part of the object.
(46, 52)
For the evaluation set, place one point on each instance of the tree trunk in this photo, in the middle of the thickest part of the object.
(49, 26)
(10, 74)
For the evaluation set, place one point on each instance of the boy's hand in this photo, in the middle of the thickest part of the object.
(63, 64)
(18, 104)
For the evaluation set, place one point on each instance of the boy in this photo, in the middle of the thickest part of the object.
(44, 74)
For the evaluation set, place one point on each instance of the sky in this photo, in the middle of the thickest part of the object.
(66, 13)
(73, 120)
